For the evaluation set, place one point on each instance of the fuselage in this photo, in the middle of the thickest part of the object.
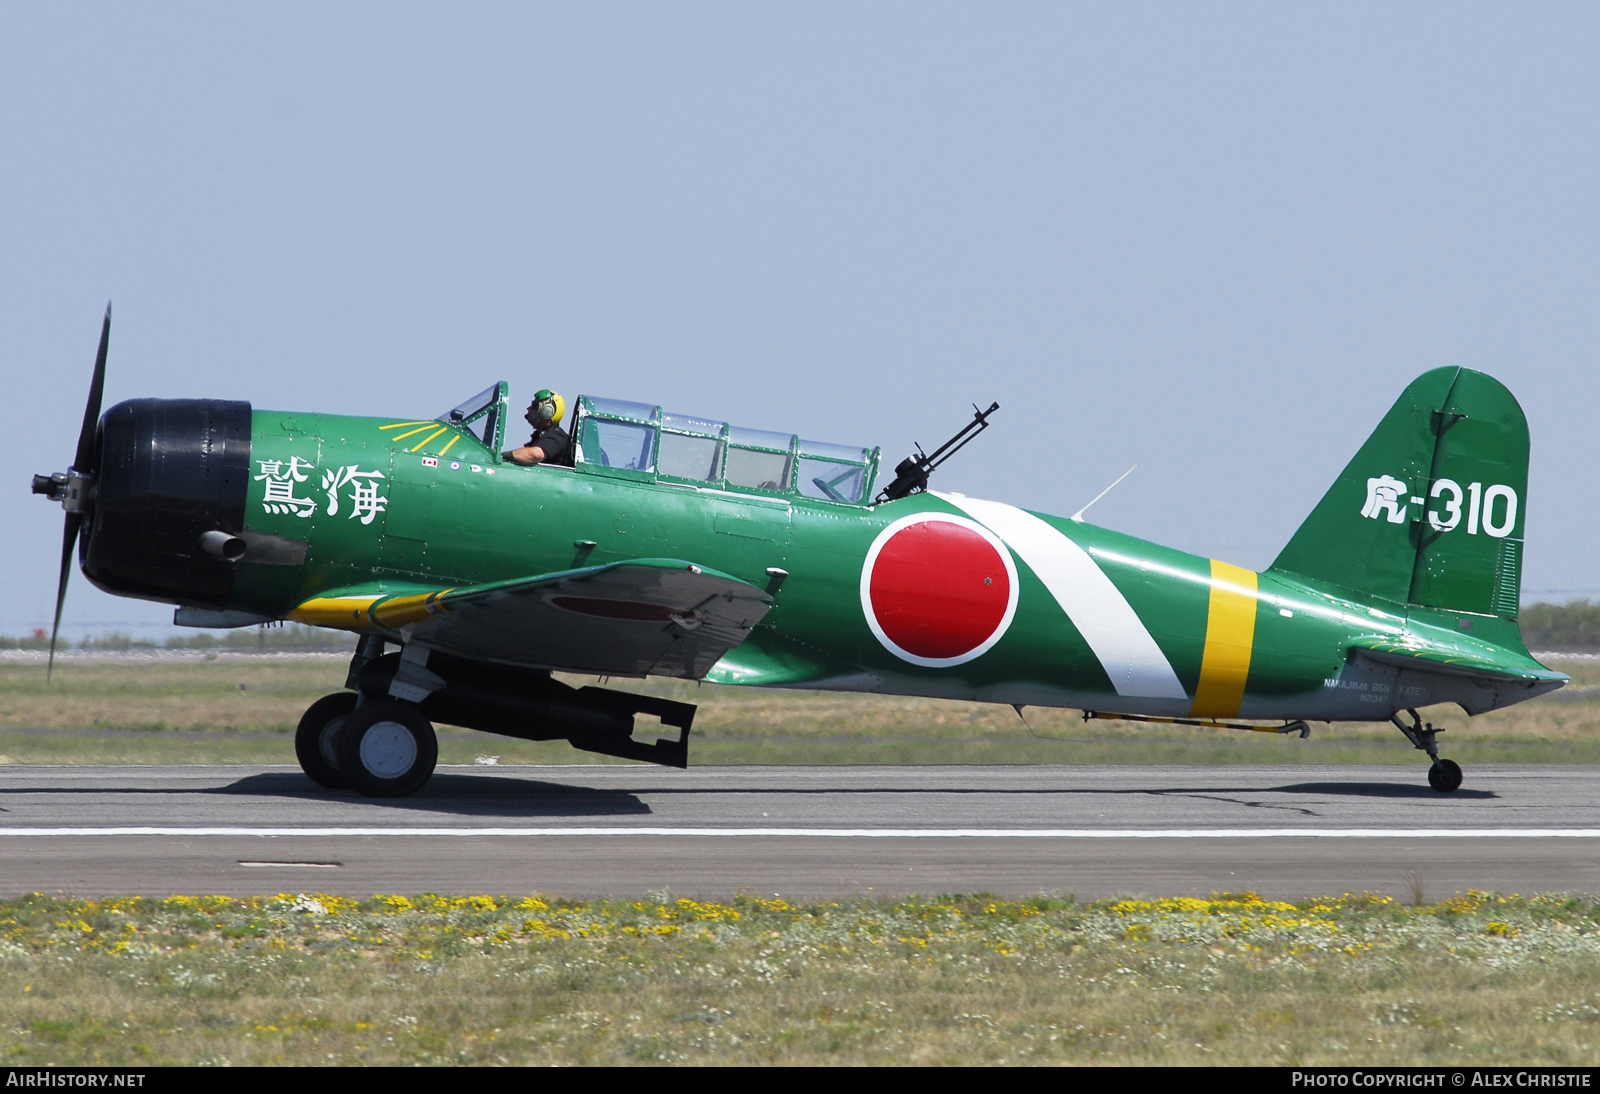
(932, 594)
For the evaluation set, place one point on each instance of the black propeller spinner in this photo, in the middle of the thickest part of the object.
(74, 488)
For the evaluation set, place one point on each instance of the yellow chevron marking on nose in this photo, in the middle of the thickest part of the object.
(426, 440)
(1230, 636)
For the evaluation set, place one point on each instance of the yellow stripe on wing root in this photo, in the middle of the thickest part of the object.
(1230, 637)
(402, 611)
(346, 612)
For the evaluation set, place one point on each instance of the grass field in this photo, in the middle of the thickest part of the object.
(231, 708)
(299, 979)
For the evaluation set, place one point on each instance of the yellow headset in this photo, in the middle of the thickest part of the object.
(557, 403)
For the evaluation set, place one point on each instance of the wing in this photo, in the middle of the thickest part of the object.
(651, 616)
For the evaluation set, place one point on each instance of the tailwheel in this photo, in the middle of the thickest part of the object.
(386, 749)
(1445, 776)
(313, 740)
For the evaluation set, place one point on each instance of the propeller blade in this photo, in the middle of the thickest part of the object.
(69, 541)
(80, 464)
(91, 412)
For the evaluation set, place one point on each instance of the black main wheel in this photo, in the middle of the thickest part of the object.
(386, 749)
(313, 740)
(1445, 776)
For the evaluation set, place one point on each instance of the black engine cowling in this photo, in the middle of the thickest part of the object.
(167, 471)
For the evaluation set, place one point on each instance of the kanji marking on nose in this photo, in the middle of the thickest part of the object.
(280, 482)
(364, 500)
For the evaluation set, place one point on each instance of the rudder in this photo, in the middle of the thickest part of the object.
(1431, 509)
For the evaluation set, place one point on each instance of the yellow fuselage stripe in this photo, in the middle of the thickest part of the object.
(1230, 636)
(453, 440)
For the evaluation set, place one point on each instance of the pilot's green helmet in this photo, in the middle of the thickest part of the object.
(549, 406)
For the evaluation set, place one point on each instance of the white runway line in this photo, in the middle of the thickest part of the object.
(840, 833)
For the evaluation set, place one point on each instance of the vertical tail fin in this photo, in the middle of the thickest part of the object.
(1431, 510)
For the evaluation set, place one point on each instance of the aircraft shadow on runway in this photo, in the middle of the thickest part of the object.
(1350, 789)
(494, 795)
(1381, 790)
(465, 795)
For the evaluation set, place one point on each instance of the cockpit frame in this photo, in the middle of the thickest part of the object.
(641, 441)
(483, 417)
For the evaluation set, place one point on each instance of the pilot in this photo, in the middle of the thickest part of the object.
(549, 442)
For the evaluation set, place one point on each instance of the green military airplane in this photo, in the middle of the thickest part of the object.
(677, 545)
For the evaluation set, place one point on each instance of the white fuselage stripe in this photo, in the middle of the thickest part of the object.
(1098, 609)
(831, 833)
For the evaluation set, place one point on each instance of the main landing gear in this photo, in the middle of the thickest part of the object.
(386, 749)
(1445, 775)
(383, 748)
(377, 736)
(364, 739)
(313, 740)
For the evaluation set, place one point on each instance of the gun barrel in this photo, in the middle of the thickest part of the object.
(980, 422)
(911, 474)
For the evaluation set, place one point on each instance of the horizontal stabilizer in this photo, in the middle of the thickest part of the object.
(1458, 663)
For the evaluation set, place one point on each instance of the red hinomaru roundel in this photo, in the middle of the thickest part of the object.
(938, 590)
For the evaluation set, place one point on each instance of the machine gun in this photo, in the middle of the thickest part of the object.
(911, 474)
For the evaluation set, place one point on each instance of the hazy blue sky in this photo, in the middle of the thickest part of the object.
(1216, 239)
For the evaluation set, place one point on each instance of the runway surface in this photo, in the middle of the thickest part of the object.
(803, 831)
